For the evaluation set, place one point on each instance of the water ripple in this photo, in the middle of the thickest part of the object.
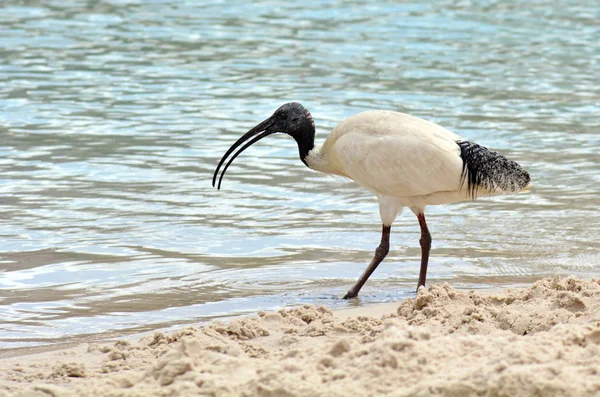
(114, 114)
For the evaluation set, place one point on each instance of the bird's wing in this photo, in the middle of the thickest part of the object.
(396, 154)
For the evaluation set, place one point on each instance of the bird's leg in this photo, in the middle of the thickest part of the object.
(425, 242)
(380, 253)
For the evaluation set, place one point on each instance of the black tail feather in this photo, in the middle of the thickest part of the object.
(490, 171)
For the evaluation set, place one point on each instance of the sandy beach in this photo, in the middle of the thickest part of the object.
(543, 340)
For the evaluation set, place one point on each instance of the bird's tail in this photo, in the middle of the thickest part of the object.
(485, 172)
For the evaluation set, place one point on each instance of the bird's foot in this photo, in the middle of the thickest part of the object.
(350, 294)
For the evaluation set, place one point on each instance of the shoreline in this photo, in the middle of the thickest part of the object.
(7, 354)
(368, 308)
(540, 340)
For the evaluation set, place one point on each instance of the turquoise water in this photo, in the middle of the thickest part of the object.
(114, 114)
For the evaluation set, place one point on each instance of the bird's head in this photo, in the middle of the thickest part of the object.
(292, 119)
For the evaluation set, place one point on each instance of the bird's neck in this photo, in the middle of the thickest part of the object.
(306, 142)
(319, 159)
(314, 159)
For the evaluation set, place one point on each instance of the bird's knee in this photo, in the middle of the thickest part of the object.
(382, 251)
(425, 241)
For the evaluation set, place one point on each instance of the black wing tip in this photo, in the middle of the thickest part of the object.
(467, 175)
(489, 170)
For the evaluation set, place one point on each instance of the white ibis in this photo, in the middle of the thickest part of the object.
(404, 160)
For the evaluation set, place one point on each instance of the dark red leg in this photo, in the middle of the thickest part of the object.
(380, 253)
(425, 242)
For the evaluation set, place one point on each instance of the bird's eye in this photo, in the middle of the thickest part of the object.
(295, 119)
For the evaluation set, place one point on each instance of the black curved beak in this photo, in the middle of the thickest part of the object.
(255, 134)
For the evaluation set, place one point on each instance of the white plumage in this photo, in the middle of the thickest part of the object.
(404, 160)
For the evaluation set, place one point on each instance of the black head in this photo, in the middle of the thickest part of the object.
(292, 119)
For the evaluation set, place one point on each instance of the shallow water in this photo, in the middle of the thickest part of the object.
(114, 114)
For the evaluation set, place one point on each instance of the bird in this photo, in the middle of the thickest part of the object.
(405, 161)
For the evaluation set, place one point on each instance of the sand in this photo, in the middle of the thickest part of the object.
(538, 341)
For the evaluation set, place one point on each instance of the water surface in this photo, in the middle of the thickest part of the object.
(114, 114)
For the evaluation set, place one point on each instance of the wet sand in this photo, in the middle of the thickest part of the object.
(543, 340)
